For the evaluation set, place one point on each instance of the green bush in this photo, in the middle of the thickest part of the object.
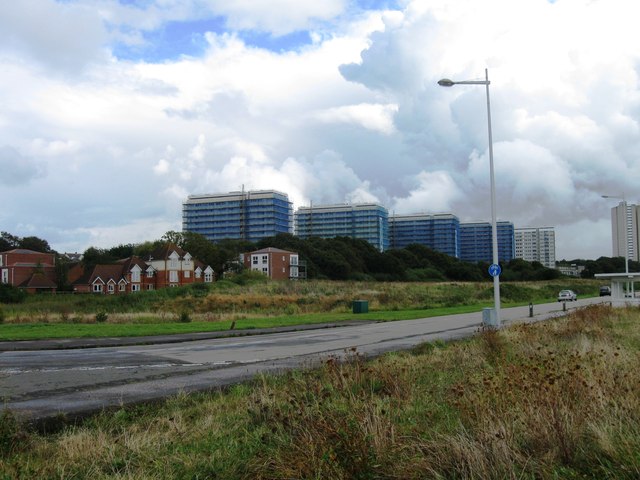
(11, 294)
(1, 316)
(199, 289)
(184, 317)
(101, 317)
(249, 277)
(11, 433)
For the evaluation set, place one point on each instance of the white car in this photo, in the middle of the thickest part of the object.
(567, 296)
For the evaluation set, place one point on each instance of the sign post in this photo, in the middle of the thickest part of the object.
(495, 270)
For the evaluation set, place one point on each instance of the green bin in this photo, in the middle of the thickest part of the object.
(360, 306)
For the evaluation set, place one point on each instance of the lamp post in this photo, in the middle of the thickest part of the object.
(626, 232)
(445, 82)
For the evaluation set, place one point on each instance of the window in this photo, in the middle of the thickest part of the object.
(135, 276)
(265, 270)
(149, 273)
(111, 288)
(198, 273)
(1, 260)
(122, 287)
(173, 276)
(187, 274)
(135, 288)
(173, 263)
(265, 258)
(97, 288)
(5, 275)
(149, 287)
(254, 259)
(208, 277)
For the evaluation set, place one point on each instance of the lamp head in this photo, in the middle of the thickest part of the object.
(445, 82)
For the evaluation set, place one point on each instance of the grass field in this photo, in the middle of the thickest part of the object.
(258, 304)
(557, 399)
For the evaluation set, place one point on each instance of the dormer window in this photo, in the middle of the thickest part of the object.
(174, 261)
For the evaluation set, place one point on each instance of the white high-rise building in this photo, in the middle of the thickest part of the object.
(536, 245)
(624, 230)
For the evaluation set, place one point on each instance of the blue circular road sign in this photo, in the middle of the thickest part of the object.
(494, 270)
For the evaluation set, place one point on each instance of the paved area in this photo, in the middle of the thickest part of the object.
(44, 380)
(74, 343)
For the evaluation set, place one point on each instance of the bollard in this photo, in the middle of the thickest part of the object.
(564, 306)
(531, 309)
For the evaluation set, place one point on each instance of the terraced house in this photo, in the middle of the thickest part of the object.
(168, 266)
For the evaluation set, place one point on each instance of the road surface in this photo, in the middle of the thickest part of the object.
(39, 385)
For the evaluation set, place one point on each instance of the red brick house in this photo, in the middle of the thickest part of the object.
(169, 266)
(29, 270)
(174, 267)
(275, 263)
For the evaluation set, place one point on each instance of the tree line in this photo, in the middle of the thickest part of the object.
(339, 258)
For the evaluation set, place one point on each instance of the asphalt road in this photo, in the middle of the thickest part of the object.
(41, 383)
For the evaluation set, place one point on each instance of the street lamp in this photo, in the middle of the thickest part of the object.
(495, 270)
(626, 232)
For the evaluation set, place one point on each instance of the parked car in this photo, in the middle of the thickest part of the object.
(567, 296)
(605, 290)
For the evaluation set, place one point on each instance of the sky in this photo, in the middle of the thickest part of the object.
(113, 112)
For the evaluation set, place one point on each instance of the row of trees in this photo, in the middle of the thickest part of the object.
(10, 242)
(340, 258)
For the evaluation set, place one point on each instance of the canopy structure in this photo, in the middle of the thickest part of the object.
(622, 286)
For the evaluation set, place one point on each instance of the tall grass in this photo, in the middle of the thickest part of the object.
(258, 296)
(559, 399)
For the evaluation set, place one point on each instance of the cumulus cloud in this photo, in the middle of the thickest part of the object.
(276, 16)
(54, 148)
(61, 36)
(432, 192)
(530, 181)
(356, 115)
(16, 169)
(374, 117)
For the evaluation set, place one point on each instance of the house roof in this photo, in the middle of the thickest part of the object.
(163, 252)
(128, 263)
(271, 250)
(38, 280)
(104, 272)
(24, 251)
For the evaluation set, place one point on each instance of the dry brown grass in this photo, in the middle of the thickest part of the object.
(559, 399)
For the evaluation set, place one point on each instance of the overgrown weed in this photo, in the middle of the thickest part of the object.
(558, 399)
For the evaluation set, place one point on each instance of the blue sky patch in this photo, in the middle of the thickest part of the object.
(172, 40)
(187, 38)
